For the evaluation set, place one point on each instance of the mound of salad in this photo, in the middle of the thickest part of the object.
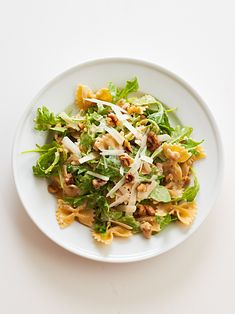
(116, 164)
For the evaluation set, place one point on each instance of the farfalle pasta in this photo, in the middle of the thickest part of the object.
(117, 165)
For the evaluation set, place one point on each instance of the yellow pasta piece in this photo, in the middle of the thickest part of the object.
(107, 237)
(185, 212)
(82, 92)
(136, 109)
(66, 214)
(85, 216)
(104, 94)
(201, 152)
(176, 152)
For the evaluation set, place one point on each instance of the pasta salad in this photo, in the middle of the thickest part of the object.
(116, 163)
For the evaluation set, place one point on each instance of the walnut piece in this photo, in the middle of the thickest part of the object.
(127, 146)
(146, 229)
(97, 183)
(126, 161)
(141, 187)
(112, 119)
(152, 141)
(129, 178)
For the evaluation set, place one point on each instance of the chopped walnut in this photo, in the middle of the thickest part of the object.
(144, 210)
(146, 229)
(129, 177)
(127, 146)
(152, 141)
(126, 160)
(69, 178)
(97, 183)
(112, 119)
(141, 187)
(141, 211)
(58, 138)
(52, 189)
(105, 141)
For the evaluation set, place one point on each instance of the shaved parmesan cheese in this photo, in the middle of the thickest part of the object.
(143, 195)
(163, 137)
(69, 120)
(97, 175)
(112, 152)
(71, 146)
(102, 102)
(87, 158)
(115, 134)
(121, 171)
(130, 127)
(116, 187)
(147, 159)
(119, 200)
(138, 142)
(132, 199)
(129, 209)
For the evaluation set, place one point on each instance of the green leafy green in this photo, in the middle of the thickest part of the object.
(45, 119)
(165, 220)
(190, 193)
(109, 166)
(143, 101)
(160, 194)
(131, 87)
(84, 182)
(113, 91)
(130, 221)
(190, 144)
(180, 132)
(161, 118)
(86, 141)
(48, 162)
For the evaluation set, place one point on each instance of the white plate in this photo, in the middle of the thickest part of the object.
(56, 95)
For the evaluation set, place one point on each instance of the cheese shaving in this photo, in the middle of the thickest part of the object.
(97, 175)
(115, 134)
(116, 187)
(120, 200)
(71, 146)
(112, 152)
(87, 158)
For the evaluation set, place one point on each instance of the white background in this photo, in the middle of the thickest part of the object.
(38, 40)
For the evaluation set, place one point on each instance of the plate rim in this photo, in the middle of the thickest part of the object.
(177, 78)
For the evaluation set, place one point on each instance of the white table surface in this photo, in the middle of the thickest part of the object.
(38, 40)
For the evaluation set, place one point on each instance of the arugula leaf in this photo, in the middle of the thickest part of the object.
(84, 182)
(161, 118)
(110, 167)
(48, 163)
(86, 141)
(180, 132)
(190, 144)
(131, 86)
(130, 221)
(144, 100)
(93, 200)
(160, 194)
(45, 119)
(113, 91)
(191, 192)
(165, 220)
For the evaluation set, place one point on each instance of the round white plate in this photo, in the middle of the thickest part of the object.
(58, 94)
